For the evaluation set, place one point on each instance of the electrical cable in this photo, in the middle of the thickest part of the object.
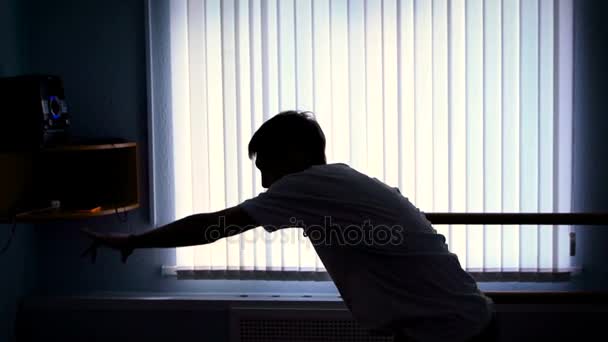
(7, 244)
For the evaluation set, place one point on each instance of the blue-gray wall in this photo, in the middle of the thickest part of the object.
(98, 49)
(590, 187)
(10, 51)
(18, 264)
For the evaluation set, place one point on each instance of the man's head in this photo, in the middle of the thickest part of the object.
(289, 142)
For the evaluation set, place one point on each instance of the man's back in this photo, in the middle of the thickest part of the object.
(392, 269)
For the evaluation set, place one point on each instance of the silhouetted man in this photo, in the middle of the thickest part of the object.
(394, 272)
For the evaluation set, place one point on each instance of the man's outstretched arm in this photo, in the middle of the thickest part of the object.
(197, 229)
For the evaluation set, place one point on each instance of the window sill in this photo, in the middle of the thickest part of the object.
(177, 298)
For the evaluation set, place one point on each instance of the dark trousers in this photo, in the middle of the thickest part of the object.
(489, 334)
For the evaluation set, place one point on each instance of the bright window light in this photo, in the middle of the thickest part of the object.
(466, 106)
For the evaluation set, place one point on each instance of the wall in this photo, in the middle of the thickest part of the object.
(19, 268)
(9, 36)
(18, 263)
(98, 49)
(590, 187)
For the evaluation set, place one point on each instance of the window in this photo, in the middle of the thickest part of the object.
(464, 105)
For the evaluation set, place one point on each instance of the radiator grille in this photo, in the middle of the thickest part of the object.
(299, 326)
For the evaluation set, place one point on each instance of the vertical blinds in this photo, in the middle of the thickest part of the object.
(464, 105)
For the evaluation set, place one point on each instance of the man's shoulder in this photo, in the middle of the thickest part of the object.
(337, 167)
(324, 170)
(319, 176)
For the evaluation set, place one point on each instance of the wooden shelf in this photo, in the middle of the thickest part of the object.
(78, 147)
(76, 175)
(63, 214)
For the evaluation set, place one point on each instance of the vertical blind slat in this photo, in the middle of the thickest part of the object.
(287, 100)
(257, 109)
(406, 95)
(563, 137)
(475, 125)
(271, 105)
(373, 81)
(458, 130)
(547, 110)
(244, 122)
(231, 150)
(216, 122)
(356, 86)
(423, 50)
(510, 128)
(440, 112)
(322, 77)
(180, 108)
(304, 99)
(340, 134)
(492, 130)
(529, 128)
(390, 88)
(201, 257)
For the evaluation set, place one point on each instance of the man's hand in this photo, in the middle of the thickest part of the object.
(197, 229)
(120, 242)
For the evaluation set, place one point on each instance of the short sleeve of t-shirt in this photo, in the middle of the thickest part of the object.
(290, 202)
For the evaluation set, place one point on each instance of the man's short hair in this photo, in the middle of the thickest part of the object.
(288, 133)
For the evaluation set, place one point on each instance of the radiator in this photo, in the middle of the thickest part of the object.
(213, 318)
(297, 325)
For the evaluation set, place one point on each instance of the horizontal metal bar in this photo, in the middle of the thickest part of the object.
(190, 274)
(519, 218)
(595, 298)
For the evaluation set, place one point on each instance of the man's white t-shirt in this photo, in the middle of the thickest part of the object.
(390, 266)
